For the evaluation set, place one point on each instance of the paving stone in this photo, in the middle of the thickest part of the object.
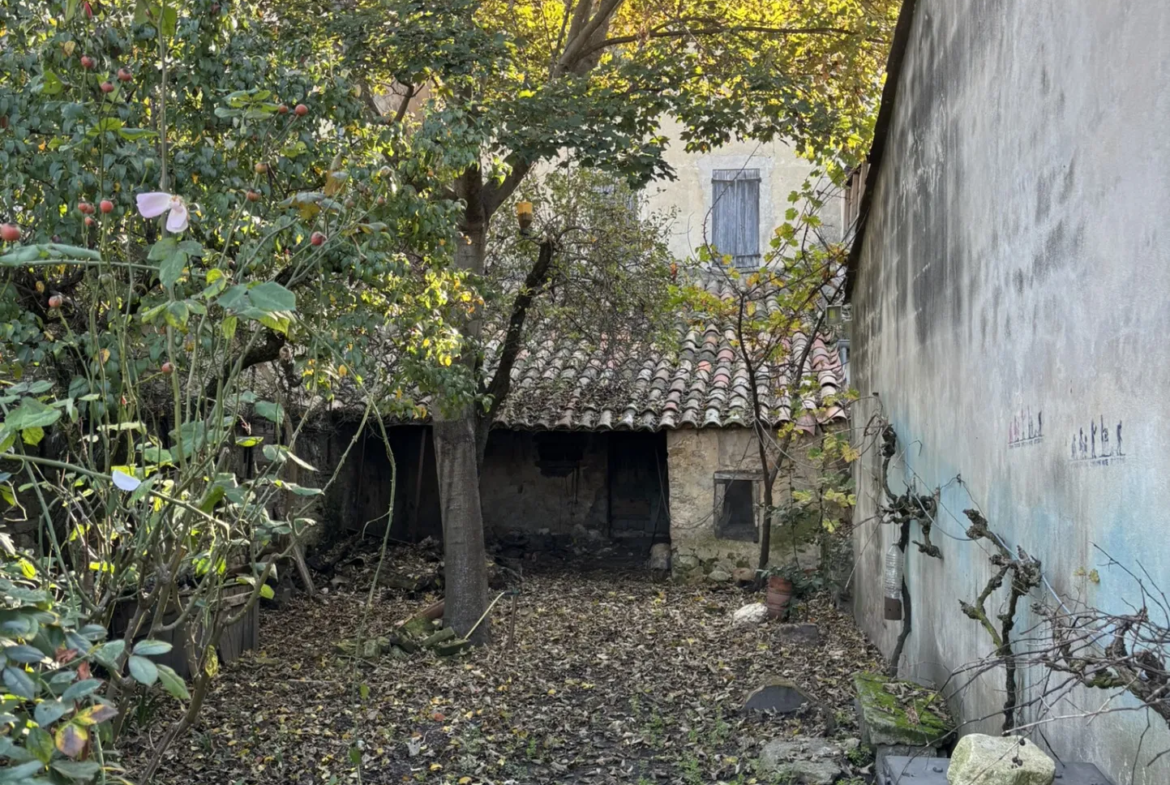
(798, 634)
(917, 770)
(803, 761)
(779, 696)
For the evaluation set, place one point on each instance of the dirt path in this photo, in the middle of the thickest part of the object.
(612, 679)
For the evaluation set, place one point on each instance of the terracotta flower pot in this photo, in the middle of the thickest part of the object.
(778, 596)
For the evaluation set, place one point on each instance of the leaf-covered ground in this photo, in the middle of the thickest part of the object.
(611, 678)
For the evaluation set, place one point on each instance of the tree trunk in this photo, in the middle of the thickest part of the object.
(465, 573)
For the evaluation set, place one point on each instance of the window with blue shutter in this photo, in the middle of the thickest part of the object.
(735, 216)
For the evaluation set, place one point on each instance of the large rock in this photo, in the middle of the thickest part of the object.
(660, 556)
(755, 613)
(999, 760)
(719, 575)
(803, 761)
(900, 714)
(779, 695)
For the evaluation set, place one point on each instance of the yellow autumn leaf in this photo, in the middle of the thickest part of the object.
(212, 666)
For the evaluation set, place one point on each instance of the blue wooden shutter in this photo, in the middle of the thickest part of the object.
(735, 220)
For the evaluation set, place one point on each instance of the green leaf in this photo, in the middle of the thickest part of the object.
(40, 744)
(60, 251)
(271, 296)
(18, 683)
(172, 683)
(177, 314)
(21, 772)
(163, 249)
(143, 670)
(134, 134)
(299, 490)
(266, 592)
(108, 653)
(52, 84)
(81, 689)
(93, 632)
(77, 769)
(106, 124)
(32, 436)
(273, 412)
(171, 269)
(24, 653)
(31, 414)
(273, 322)
(151, 648)
(170, 21)
(48, 712)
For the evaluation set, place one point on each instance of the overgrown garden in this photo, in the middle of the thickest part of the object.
(221, 218)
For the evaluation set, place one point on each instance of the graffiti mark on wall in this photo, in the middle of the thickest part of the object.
(1025, 428)
(1098, 445)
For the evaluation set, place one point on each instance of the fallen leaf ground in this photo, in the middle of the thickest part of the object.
(611, 678)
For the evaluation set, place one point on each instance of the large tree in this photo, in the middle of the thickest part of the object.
(504, 85)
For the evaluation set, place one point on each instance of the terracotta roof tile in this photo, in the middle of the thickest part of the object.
(704, 386)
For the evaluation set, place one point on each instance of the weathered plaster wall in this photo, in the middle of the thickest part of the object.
(694, 457)
(690, 195)
(1012, 298)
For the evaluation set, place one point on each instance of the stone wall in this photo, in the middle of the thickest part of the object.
(556, 481)
(560, 484)
(1010, 307)
(697, 460)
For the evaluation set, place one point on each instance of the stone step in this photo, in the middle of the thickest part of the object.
(899, 770)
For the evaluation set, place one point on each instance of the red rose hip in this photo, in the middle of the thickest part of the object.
(167, 367)
(9, 233)
(317, 238)
(56, 301)
(106, 206)
(301, 110)
(87, 62)
(107, 87)
(124, 75)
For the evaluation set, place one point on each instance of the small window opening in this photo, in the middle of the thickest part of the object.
(736, 510)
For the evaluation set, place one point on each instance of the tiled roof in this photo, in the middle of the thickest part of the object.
(703, 384)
